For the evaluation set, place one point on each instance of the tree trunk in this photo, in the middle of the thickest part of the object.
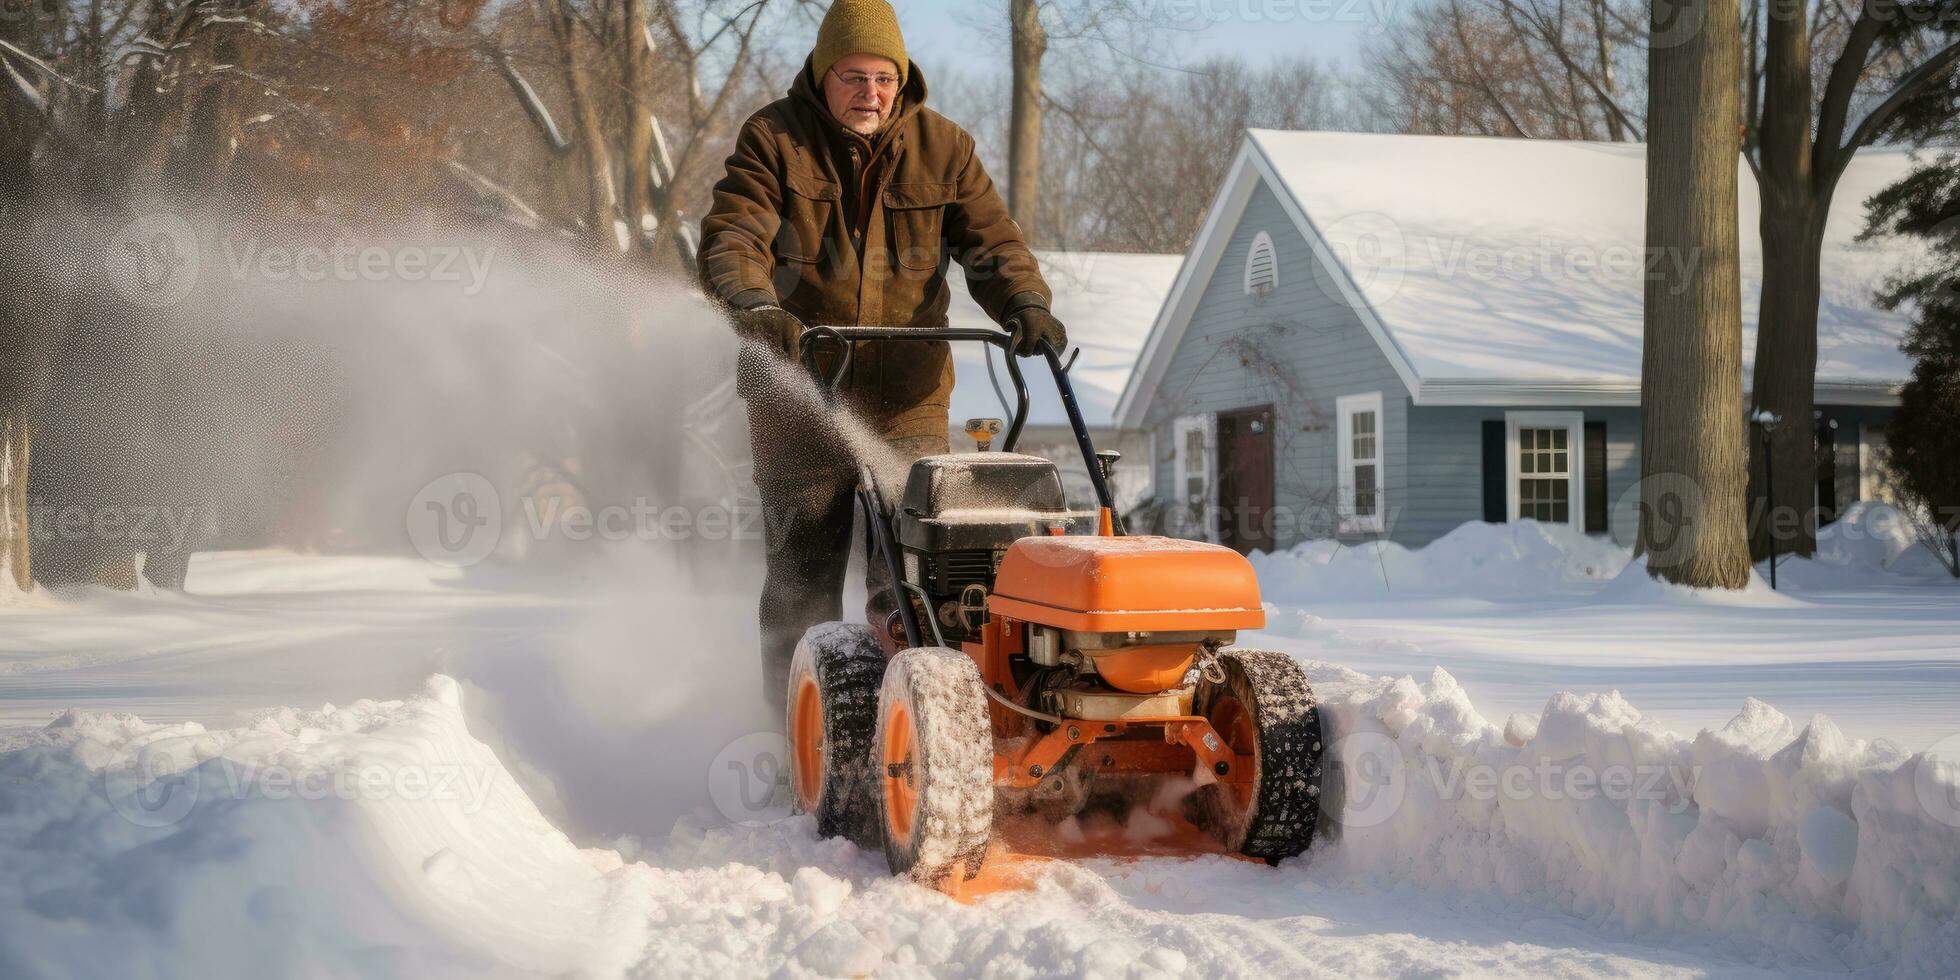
(1692, 473)
(1608, 84)
(21, 335)
(1024, 125)
(638, 68)
(18, 529)
(1792, 226)
(598, 217)
(1784, 381)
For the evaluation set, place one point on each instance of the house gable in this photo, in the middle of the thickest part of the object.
(1298, 348)
(1251, 172)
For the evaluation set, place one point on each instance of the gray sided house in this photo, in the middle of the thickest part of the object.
(1379, 336)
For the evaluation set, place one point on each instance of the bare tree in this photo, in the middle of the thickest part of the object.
(1692, 475)
(595, 154)
(1529, 68)
(1889, 56)
(1030, 44)
(1140, 166)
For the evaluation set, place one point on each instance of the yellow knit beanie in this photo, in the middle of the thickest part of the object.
(853, 26)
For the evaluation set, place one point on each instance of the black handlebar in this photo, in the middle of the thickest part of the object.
(848, 335)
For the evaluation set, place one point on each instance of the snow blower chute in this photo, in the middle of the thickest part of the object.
(1038, 672)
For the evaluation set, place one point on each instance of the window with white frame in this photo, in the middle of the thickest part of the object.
(1545, 464)
(1360, 461)
(1261, 267)
(1191, 475)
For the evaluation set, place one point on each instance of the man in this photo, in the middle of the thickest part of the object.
(842, 206)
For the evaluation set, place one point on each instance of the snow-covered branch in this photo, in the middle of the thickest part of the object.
(534, 106)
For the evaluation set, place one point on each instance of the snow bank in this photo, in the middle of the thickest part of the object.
(1871, 534)
(1476, 559)
(1870, 542)
(1636, 584)
(1868, 537)
(378, 838)
(1796, 846)
(382, 839)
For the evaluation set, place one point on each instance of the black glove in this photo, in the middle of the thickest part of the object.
(771, 326)
(1032, 324)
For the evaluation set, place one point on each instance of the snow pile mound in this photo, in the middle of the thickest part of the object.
(1636, 584)
(381, 839)
(1797, 846)
(375, 839)
(1475, 559)
(1869, 534)
(1867, 537)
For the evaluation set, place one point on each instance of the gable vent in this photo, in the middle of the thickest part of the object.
(1261, 267)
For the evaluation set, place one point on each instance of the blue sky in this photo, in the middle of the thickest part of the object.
(944, 36)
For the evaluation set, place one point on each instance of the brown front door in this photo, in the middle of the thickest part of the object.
(1245, 479)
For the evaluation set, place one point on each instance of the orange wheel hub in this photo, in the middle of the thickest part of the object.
(901, 773)
(806, 743)
(1233, 720)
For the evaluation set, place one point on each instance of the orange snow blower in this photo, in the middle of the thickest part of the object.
(1035, 672)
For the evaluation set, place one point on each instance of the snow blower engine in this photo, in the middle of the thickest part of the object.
(1034, 670)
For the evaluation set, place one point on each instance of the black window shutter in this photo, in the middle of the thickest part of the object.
(1596, 478)
(1494, 495)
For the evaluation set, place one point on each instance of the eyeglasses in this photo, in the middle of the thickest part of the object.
(858, 79)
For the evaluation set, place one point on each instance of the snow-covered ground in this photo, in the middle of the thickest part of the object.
(1866, 633)
(548, 776)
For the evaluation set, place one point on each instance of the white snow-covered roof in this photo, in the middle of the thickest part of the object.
(1510, 270)
(1107, 300)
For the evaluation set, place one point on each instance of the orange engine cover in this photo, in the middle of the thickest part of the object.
(1123, 584)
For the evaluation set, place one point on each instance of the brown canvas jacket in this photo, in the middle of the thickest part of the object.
(848, 231)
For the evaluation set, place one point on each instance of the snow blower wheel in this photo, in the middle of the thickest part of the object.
(833, 712)
(1264, 710)
(936, 755)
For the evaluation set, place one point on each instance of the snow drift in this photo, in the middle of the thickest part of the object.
(1475, 559)
(1531, 558)
(1815, 849)
(381, 838)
